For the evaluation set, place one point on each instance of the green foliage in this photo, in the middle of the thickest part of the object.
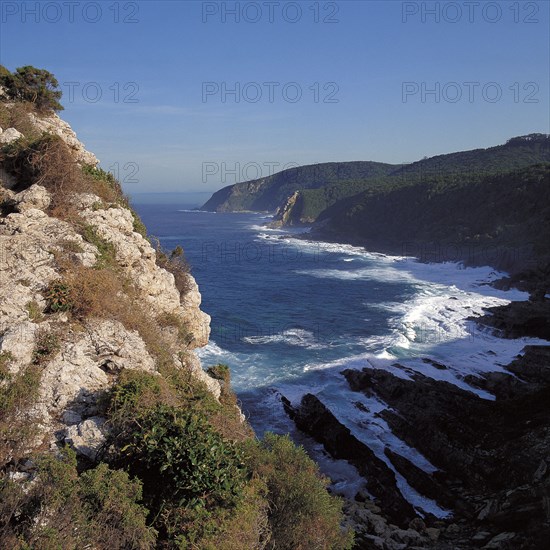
(106, 256)
(180, 451)
(37, 86)
(110, 503)
(133, 392)
(302, 513)
(46, 346)
(100, 175)
(16, 392)
(59, 509)
(270, 192)
(220, 372)
(59, 296)
(508, 212)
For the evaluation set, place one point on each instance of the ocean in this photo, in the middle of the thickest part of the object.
(289, 314)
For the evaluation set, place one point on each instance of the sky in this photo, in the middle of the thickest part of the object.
(185, 96)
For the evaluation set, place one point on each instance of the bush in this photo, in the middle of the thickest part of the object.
(59, 509)
(58, 297)
(110, 504)
(17, 116)
(180, 452)
(17, 391)
(5, 358)
(303, 515)
(106, 256)
(47, 161)
(34, 311)
(37, 86)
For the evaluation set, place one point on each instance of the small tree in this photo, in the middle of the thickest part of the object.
(36, 86)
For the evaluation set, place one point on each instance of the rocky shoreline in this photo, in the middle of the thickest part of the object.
(491, 455)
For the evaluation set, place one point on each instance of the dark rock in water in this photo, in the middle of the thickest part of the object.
(493, 457)
(435, 364)
(519, 319)
(423, 482)
(315, 419)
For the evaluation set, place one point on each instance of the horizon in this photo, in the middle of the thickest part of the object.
(171, 101)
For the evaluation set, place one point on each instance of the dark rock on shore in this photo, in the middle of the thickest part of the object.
(315, 419)
(519, 319)
(493, 457)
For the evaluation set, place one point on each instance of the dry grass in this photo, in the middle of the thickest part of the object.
(105, 294)
(17, 116)
(49, 162)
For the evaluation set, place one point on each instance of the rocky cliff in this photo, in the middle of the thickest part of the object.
(34, 248)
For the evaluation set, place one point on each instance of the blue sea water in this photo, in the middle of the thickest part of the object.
(288, 315)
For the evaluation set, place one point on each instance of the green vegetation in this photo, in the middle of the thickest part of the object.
(505, 214)
(34, 311)
(5, 358)
(29, 84)
(106, 253)
(302, 514)
(272, 191)
(58, 296)
(347, 185)
(60, 509)
(17, 391)
(208, 490)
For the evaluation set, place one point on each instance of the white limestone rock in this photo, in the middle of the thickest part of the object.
(10, 135)
(88, 437)
(52, 124)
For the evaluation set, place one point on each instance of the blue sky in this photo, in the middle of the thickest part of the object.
(364, 70)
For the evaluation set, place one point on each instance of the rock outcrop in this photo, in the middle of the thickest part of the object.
(52, 124)
(88, 356)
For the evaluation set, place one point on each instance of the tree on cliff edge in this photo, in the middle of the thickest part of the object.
(36, 86)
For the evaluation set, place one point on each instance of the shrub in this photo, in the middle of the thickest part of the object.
(17, 391)
(36, 86)
(302, 514)
(59, 509)
(17, 116)
(110, 504)
(180, 452)
(227, 420)
(5, 358)
(59, 297)
(139, 226)
(34, 311)
(68, 245)
(175, 321)
(46, 161)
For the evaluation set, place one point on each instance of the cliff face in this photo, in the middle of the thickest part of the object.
(270, 193)
(87, 355)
